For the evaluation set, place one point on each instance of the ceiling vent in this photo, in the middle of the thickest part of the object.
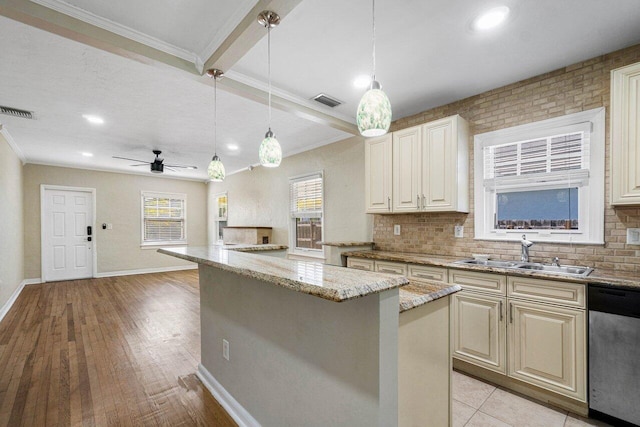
(24, 114)
(327, 100)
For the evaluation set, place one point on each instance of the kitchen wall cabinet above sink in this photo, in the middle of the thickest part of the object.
(419, 169)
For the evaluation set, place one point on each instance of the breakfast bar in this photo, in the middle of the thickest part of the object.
(287, 342)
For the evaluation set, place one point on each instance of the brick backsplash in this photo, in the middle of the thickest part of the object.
(575, 88)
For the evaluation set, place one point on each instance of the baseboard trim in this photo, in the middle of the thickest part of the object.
(231, 405)
(35, 281)
(146, 271)
(12, 299)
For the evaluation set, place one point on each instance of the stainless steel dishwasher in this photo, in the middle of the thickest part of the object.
(614, 354)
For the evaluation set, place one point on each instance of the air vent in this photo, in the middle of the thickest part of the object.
(327, 100)
(17, 113)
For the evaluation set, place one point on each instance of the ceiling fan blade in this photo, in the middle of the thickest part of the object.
(127, 158)
(181, 166)
(141, 164)
(170, 168)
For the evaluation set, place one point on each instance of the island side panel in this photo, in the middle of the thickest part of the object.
(296, 359)
(424, 365)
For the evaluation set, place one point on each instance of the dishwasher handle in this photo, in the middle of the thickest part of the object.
(621, 301)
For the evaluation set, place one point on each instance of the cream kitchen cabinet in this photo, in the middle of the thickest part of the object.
(625, 135)
(479, 332)
(377, 169)
(419, 169)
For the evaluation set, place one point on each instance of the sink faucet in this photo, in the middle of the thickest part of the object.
(526, 244)
(555, 261)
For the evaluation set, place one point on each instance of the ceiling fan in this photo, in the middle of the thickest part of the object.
(157, 165)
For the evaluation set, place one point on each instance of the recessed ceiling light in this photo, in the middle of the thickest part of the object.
(85, 154)
(491, 19)
(232, 147)
(96, 120)
(362, 81)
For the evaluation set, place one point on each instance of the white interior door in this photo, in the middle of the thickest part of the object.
(67, 244)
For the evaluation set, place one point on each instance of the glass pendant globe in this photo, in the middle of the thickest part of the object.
(270, 152)
(374, 112)
(216, 169)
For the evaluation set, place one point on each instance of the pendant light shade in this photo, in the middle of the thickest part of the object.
(270, 153)
(216, 168)
(374, 110)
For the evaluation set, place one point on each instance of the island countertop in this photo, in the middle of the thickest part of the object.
(325, 281)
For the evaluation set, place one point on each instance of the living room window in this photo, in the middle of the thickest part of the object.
(164, 219)
(545, 179)
(306, 208)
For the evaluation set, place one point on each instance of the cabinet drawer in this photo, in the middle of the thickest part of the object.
(551, 291)
(391, 267)
(486, 282)
(360, 263)
(425, 272)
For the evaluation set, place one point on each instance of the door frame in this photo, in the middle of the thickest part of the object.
(43, 188)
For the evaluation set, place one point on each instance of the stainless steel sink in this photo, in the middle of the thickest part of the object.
(564, 270)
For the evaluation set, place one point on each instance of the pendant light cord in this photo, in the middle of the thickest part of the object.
(373, 12)
(215, 116)
(269, 68)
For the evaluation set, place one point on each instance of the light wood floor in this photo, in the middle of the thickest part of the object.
(113, 351)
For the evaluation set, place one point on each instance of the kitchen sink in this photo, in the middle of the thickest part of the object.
(563, 270)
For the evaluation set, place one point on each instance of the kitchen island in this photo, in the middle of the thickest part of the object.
(287, 342)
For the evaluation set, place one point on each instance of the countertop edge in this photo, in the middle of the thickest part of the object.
(408, 301)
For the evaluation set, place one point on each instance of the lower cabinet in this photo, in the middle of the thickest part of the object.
(479, 335)
(547, 347)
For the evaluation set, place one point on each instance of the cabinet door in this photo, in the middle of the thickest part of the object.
(439, 156)
(479, 330)
(625, 135)
(391, 267)
(377, 170)
(547, 347)
(406, 170)
(360, 263)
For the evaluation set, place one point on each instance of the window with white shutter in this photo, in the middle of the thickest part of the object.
(306, 210)
(164, 218)
(546, 178)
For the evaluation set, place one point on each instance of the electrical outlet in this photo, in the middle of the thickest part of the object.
(633, 236)
(225, 349)
(396, 230)
(458, 231)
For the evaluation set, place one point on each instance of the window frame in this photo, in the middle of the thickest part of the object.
(155, 194)
(293, 249)
(591, 196)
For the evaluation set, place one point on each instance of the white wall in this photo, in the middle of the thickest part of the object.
(261, 197)
(117, 202)
(11, 222)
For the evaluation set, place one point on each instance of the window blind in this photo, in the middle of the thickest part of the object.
(305, 195)
(163, 218)
(549, 159)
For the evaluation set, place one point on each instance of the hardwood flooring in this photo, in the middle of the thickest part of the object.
(101, 352)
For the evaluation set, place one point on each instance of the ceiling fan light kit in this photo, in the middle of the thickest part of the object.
(374, 110)
(270, 153)
(215, 170)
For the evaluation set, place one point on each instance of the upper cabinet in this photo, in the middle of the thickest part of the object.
(429, 169)
(625, 135)
(377, 169)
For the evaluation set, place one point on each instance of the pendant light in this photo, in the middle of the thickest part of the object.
(374, 111)
(270, 152)
(216, 168)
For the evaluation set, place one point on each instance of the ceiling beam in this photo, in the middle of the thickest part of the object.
(246, 34)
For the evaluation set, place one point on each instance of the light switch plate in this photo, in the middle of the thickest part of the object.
(633, 236)
(396, 230)
(458, 231)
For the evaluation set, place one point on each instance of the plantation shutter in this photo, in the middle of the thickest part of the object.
(305, 195)
(163, 217)
(548, 160)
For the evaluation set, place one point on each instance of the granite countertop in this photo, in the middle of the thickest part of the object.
(615, 279)
(325, 281)
(345, 244)
(420, 292)
(252, 248)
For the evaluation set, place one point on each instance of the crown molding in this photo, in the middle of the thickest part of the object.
(121, 30)
(12, 143)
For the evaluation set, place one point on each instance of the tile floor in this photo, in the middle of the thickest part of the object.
(478, 404)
